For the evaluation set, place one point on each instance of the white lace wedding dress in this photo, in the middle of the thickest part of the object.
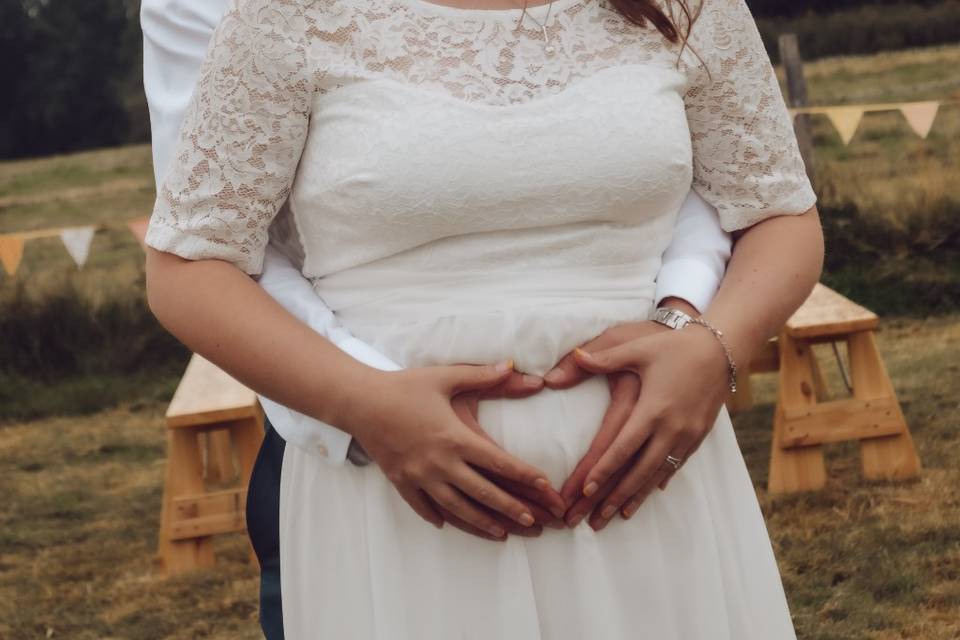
(458, 193)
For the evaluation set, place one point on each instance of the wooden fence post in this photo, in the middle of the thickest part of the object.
(797, 97)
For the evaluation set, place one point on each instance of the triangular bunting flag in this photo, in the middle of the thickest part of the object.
(77, 242)
(138, 227)
(920, 115)
(846, 120)
(11, 250)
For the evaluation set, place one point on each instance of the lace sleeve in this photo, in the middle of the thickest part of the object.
(241, 139)
(746, 160)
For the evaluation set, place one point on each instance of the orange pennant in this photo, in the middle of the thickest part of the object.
(11, 251)
(846, 120)
(920, 116)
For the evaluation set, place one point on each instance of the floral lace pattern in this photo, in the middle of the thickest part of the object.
(271, 64)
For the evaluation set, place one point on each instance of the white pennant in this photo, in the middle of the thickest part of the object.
(77, 242)
(920, 116)
(846, 120)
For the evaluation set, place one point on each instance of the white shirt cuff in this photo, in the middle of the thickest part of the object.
(689, 279)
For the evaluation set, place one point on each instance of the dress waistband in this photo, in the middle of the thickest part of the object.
(398, 290)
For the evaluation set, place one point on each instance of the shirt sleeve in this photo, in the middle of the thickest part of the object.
(746, 160)
(241, 139)
(287, 285)
(696, 260)
(176, 34)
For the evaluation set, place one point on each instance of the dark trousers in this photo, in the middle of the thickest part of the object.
(263, 527)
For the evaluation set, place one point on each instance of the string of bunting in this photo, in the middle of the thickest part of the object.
(76, 240)
(846, 119)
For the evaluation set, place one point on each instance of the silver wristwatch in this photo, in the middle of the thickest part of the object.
(673, 318)
(357, 454)
(676, 319)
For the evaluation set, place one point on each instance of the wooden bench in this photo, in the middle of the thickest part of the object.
(210, 418)
(804, 420)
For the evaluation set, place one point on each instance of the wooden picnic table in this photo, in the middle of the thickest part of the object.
(805, 419)
(211, 419)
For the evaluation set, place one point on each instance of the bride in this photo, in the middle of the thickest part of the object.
(476, 190)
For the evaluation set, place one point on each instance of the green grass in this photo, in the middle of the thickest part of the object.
(76, 170)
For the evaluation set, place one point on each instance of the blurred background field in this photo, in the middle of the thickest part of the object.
(889, 200)
(860, 560)
(86, 372)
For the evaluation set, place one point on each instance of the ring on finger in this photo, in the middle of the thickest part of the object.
(674, 462)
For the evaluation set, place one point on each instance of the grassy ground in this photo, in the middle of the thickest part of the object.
(78, 533)
(860, 560)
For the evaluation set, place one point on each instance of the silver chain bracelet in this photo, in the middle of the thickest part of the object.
(726, 349)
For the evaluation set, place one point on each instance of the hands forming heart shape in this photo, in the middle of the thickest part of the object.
(666, 389)
(685, 387)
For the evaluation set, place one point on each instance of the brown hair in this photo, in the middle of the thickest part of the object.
(642, 11)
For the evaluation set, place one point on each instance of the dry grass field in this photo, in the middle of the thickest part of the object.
(860, 560)
(887, 169)
(82, 439)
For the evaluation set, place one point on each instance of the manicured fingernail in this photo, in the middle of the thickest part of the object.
(630, 509)
(542, 484)
(575, 520)
(532, 381)
(558, 511)
(506, 365)
(590, 489)
(527, 520)
(497, 531)
(608, 512)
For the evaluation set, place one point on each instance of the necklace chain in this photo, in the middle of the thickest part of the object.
(548, 48)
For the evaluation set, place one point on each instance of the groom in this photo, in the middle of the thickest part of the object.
(176, 35)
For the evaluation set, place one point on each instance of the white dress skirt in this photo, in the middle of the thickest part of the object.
(694, 562)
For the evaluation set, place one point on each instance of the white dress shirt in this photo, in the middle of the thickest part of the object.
(176, 34)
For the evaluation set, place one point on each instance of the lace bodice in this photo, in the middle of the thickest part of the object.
(376, 128)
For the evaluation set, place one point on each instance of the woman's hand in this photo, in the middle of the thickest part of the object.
(684, 376)
(408, 426)
(466, 406)
(624, 392)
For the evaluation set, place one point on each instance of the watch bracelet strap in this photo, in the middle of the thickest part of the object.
(673, 318)
(677, 319)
